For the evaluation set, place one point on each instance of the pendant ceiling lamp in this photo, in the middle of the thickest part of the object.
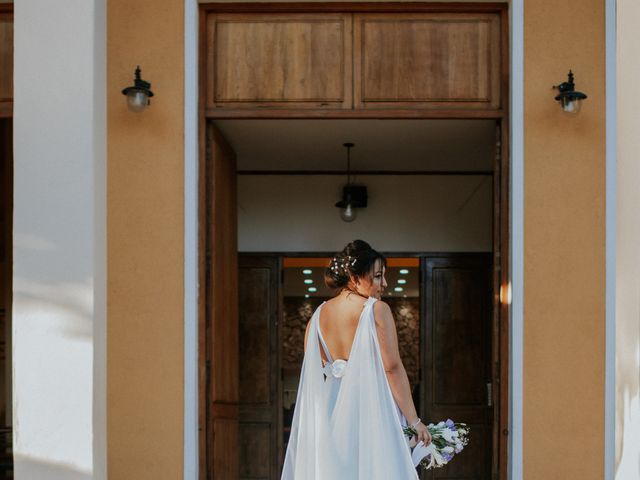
(353, 196)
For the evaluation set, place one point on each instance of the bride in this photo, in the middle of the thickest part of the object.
(354, 396)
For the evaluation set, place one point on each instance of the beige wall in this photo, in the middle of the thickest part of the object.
(145, 243)
(564, 263)
(628, 240)
(422, 213)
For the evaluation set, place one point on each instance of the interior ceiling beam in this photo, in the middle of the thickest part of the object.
(359, 113)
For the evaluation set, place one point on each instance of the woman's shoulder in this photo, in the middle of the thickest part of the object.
(381, 306)
(382, 311)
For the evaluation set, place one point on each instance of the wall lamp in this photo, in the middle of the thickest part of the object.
(570, 99)
(139, 94)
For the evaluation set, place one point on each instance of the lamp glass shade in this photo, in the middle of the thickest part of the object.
(348, 214)
(571, 105)
(137, 100)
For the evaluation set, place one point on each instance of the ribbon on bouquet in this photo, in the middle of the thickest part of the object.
(420, 451)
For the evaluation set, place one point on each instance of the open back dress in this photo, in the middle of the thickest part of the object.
(346, 424)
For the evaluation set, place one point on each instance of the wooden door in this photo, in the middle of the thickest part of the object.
(6, 281)
(260, 386)
(457, 356)
(221, 287)
(6, 60)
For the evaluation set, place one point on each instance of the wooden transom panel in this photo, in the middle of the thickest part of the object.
(353, 61)
(427, 60)
(6, 57)
(283, 60)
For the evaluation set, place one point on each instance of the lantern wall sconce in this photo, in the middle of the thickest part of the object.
(570, 99)
(139, 94)
(353, 196)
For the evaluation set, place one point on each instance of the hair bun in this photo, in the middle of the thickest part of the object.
(357, 259)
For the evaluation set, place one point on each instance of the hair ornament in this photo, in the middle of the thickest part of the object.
(342, 266)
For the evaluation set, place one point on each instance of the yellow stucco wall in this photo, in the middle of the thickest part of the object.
(145, 243)
(564, 241)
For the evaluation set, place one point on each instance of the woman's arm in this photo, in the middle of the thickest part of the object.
(396, 374)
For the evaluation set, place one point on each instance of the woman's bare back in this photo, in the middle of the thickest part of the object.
(338, 323)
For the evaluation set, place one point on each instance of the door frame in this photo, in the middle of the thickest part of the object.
(502, 191)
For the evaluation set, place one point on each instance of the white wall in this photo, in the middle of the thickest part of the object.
(405, 213)
(628, 241)
(59, 229)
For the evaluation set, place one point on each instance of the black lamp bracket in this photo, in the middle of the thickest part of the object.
(568, 89)
(139, 85)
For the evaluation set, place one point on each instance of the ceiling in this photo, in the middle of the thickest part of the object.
(409, 145)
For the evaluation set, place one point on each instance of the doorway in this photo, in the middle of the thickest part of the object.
(452, 263)
(346, 81)
(442, 307)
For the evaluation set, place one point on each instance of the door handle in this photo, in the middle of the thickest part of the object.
(489, 394)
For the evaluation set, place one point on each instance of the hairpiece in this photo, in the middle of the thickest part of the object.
(342, 264)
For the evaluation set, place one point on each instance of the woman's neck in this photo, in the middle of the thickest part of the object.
(347, 291)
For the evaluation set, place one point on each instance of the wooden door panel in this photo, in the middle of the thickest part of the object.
(458, 356)
(221, 307)
(427, 60)
(224, 457)
(255, 380)
(260, 415)
(6, 280)
(281, 60)
(6, 62)
(256, 451)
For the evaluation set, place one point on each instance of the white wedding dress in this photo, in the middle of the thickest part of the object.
(347, 427)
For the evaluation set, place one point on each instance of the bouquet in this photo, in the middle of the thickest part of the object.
(447, 440)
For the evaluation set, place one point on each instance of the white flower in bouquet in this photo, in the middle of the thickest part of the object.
(447, 440)
(447, 434)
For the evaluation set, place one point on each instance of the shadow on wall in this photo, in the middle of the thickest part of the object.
(67, 295)
(39, 469)
(628, 401)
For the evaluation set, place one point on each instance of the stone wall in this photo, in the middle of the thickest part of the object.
(298, 311)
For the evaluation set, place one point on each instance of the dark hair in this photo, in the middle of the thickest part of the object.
(357, 259)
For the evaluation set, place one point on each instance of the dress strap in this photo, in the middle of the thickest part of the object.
(321, 338)
(324, 345)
